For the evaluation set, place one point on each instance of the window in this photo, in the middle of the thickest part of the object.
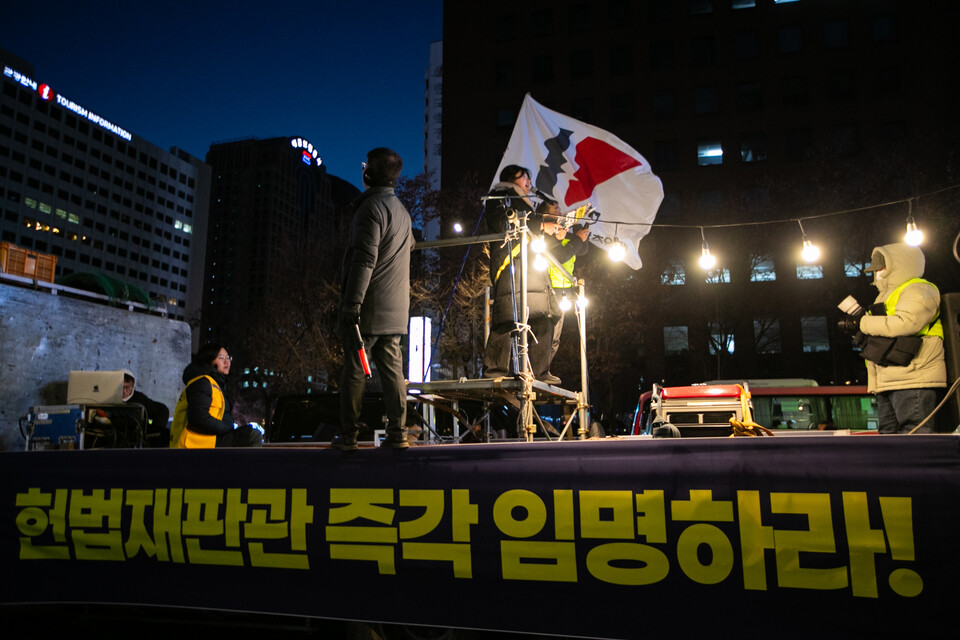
(701, 6)
(793, 91)
(623, 108)
(703, 51)
(842, 86)
(664, 104)
(721, 339)
(505, 118)
(746, 44)
(719, 275)
(753, 147)
(673, 274)
(790, 39)
(809, 271)
(581, 63)
(675, 341)
(766, 335)
(884, 29)
(665, 154)
(504, 74)
(813, 330)
(706, 100)
(709, 153)
(762, 268)
(661, 56)
(836, 34)
(621, 60)
(749, 96)
(855, 266)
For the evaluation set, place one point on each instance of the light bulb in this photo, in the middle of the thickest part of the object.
(457, 227)
(810, 251)
(538, 244)
(581, 301)
(913, 236)
(617, 251)
(540, 263)
(565, 303)
(707, 260)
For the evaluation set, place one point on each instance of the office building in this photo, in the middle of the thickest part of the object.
(750, 111)
(271, 199)
(76, 185)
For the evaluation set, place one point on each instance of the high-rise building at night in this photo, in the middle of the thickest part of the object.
(750, 111)
(77, 185)
(270, 198)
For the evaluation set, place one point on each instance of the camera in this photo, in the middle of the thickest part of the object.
(850, 324)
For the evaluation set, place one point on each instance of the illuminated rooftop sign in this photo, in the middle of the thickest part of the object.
(309, 154)
(47, 94)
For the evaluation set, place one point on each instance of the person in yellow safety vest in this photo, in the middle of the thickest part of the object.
(202, 417)
(906, 395)
(564, 245)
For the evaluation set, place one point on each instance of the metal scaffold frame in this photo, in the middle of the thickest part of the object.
(523, 391)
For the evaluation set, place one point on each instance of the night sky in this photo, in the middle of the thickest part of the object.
(346, 76)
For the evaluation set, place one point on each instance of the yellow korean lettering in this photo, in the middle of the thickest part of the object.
(607, 514)
(818, 538)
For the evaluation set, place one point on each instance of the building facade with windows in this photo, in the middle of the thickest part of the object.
(273, 206)
(769, 122)
(101, 199)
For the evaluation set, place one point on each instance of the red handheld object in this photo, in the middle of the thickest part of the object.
(362, 353)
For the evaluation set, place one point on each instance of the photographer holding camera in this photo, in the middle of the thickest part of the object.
(901, 338)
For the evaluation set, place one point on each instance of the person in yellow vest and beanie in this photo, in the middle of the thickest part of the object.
(906, 313)
(202, 418)
(565, 245)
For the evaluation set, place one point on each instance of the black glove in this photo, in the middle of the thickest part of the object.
(347, 317)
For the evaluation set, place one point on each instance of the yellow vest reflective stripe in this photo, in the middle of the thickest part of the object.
(934, 328)
(556, 278)
(181, 437)
(506, 261)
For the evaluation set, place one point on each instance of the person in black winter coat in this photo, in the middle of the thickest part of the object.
(157, 432)
(206, 398)
(511, 196)
(375, 299)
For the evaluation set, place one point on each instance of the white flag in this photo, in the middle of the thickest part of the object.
(578, 164)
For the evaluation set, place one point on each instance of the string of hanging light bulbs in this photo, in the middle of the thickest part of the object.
(810, 252)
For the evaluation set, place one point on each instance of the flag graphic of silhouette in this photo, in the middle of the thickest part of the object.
(576, 163)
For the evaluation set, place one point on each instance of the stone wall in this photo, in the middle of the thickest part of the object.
(44, 336)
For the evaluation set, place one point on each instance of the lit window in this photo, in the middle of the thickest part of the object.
(709, 153)
(809, 271)
(673, 274)
(720, 275)
(753, 148)
(721, 339)
(762, 268)
(855, 267)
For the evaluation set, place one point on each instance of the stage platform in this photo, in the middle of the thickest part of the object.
(513, 392)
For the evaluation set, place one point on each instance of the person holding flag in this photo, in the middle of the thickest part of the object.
(564, 245)
(509, 200)
(577, 164)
